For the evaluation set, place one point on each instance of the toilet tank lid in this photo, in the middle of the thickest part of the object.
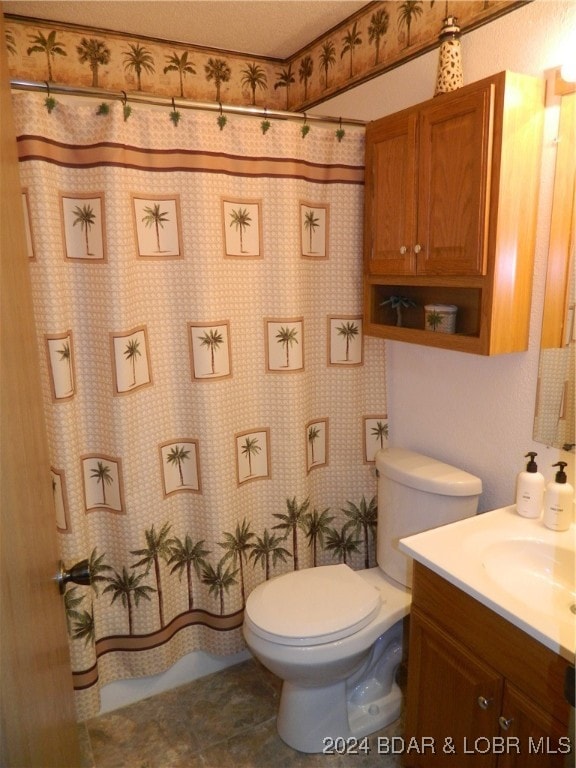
(415, 470)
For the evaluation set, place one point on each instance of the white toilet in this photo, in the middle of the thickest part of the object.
(334, 635)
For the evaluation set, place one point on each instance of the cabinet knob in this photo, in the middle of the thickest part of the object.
(505, 723)
(403, 249)
(417, 248)
(484, 703)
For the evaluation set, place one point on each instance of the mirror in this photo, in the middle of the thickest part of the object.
(554, 419)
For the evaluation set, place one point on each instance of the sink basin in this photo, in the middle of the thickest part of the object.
(534, 572)
(513, 565)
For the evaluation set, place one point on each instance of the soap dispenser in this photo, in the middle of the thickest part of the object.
(559, 501)
(530, 489)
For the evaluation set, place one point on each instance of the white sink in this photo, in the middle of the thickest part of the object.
(534, 572)
(514, 565)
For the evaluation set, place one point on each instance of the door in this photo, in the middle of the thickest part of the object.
(534, 739)
(452, 699)
(37, 709)
(390, 201)
(455, 151)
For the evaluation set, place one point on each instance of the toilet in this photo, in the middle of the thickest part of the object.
(334, 635)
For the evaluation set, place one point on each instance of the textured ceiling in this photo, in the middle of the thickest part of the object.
(270, 28)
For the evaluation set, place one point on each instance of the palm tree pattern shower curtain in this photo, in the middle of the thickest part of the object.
(213, 406)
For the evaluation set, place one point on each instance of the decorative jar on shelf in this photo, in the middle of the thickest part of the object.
(440, 317)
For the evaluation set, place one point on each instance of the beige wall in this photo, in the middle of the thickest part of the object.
(473, 411)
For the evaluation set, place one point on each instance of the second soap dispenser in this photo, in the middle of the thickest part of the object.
(530, 489)
(559, 501)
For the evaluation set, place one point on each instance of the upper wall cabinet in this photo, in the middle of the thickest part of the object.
(450, 216)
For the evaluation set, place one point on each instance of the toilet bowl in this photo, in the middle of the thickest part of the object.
(335, 635)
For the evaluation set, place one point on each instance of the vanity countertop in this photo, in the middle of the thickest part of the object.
(516, 566)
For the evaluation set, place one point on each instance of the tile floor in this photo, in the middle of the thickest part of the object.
(223, 720)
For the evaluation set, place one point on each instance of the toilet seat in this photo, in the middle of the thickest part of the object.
(312, 606)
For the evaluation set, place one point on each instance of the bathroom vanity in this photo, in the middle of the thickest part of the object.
(485, 679)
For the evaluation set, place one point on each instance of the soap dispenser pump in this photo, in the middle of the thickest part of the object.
(530, 489)
(559, 501)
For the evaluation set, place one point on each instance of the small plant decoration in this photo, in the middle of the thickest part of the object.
(49, 102)
(175, 115)
(126, 108)
(398, 303)
(103, 109)
(265, 126)
(340, 132)
(305, 130)
(221, 119)
(433, 319)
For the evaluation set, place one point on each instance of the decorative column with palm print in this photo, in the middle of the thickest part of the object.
(252, 455)
(83, 219)
(316, 444)
(242, 226)
(314, 228)
(158, 226)
(102, 477)
(346, 341)
(131, 360)
(284, 345)
(181, 466)
(210, 350)
(61, 361)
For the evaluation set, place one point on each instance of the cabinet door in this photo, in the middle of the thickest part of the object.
(455, 144)
(390, 197)
(532, 737)
(452, 699)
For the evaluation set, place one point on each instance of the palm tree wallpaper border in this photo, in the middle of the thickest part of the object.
(379, 37)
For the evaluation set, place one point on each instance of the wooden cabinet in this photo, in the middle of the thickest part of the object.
(479, 686)
(450, 214)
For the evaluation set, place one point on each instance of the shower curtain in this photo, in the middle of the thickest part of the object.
(213, 406)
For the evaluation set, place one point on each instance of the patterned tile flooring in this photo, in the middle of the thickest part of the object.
(223, 720)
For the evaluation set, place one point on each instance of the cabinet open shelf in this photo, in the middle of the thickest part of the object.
(467, 300)
(381, 318)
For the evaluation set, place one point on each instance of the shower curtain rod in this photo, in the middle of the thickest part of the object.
(210, 106)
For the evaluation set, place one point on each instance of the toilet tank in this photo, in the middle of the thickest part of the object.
(415, 493)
